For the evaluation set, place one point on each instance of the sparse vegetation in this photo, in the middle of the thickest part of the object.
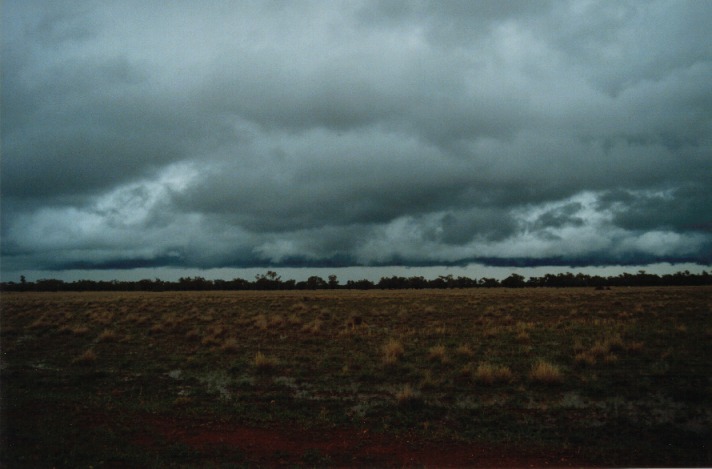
(392, 351)
(546, 373)
(483, 365)
(487, 373)
(264, 363)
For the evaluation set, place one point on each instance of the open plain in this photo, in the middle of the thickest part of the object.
(471, 377)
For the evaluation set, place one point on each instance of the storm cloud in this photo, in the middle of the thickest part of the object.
(328, 133)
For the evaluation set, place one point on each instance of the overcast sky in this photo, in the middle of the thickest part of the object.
(219, 134)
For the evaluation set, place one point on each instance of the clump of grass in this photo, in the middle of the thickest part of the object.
(230, 345)
(428, 382)
(299, 307)
(41, 323)
(492, 332)
(635, 347)
(578, 345)
(261, 322)
(354, 322)
(264, 363)
(76, 330)
(102, 317)
(438, 352)
(487, 373)
(294, 319)
(107, 335)
(585, 359)
(86, 358)
(193, 334)
(546, 373)
(407, 396)
(464, 350)
(313, 327)
(610, 358)
(276, 321)
(392, 351)
(523, 337)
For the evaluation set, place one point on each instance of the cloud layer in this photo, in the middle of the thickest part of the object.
(355, 133)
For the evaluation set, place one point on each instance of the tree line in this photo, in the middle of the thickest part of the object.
(272, 281)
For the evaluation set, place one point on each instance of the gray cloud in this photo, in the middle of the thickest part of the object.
(338, 133)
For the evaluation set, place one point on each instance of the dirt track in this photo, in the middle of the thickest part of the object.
(290, 446)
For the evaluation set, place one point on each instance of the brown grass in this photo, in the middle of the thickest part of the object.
(438, 352)
(108, 335)
(392, 351)
(464, 350)
(546, 373)
(86, 358)
(230, 345)
(264, 363)
(407, 396)
(487, 373)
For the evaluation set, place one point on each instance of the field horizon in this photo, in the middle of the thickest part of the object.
(471, 377)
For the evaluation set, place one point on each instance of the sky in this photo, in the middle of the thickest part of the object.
(416, 135)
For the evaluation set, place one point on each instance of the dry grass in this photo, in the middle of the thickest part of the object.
(392, 351)
(585, 359)
(264, 363)
(438, 352)
(86, 358)
(230, 345)
(487, 373)
(261, 322)
(108, 335)
(313, 327)
(407, 396)
(546, 373)
(464, 350)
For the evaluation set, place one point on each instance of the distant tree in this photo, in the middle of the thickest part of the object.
(268, 281)
(316, 283)
(359, 284)
(514, 281)
(333, 281)
(488, 282)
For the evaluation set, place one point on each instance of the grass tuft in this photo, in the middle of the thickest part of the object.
(264, 363)
(392, 351)
(545, 373)
(407, 396)
(438, 352)
(86, 358)
(487, 373)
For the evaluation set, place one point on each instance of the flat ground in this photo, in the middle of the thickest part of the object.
(501, 377)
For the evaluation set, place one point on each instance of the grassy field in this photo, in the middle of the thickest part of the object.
(559, 376)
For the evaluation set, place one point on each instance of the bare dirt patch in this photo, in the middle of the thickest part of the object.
(287, 445)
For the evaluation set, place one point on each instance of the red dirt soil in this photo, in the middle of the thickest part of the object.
(289, 446)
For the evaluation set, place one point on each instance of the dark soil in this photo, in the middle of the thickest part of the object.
(286, 445)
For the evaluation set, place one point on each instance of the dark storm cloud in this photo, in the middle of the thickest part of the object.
(317, 133)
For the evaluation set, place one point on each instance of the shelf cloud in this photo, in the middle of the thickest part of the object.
(370, 133)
